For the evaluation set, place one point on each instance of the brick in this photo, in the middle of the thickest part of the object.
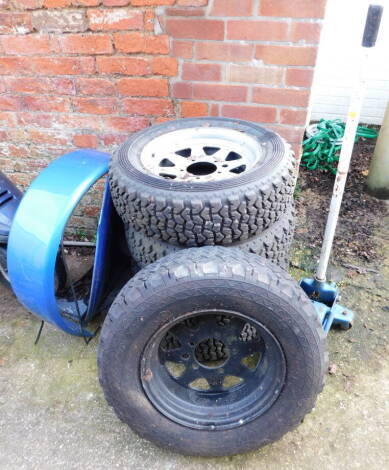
(205, 72)
(174, 11)
(183, 49)
(138, 42)
(95, 105)
(43, 103)
(232, 8)
(162, 119)
(257, 30)
(291, 134)
(58, 86)
(28, 4)
(299, 77)
(45, 137)
(305, 32)
(14, 65)
(59, 21)
(214, 110)
(123, 65)
(182, 90)
(192, 3)
(115, 19)
(116, 3)
(224, 51)
(7, 119)
(31, 45)
(143, 86)
(112, 139)
(91, 211)
(147, 107)
(86, 3)
(141, 3)
(250, 113)
(167, 66)
(281, 96)
(57, 3)
(297, 149)
(295, 9)
(35, 119)
(193, 109)
(95, 86)
(15, 23)
(86, 44)
(10, 103)
(124, 124)
(85, 141)
(286, 55)
(219, 92)
(255, 74)
(293, 116)
(156, 44)
(77, 121)
(61, 65)
(185, 28)
(149, 20)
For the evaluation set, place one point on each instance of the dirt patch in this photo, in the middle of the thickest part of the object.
(361, 215)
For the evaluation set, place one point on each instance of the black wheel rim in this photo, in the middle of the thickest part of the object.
(213, 370)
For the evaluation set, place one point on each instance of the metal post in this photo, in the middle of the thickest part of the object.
(369, 37)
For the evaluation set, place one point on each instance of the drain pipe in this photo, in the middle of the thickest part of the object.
(369, 39)
(378, 178)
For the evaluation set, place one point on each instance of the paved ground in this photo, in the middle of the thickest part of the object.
(53, 414)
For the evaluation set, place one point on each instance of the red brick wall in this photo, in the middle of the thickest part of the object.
(86, 73)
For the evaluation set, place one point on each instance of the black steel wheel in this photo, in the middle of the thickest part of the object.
(212, 351)
(213, 370)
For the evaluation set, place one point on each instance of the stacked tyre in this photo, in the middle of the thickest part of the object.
(202, 182)
(209, 350)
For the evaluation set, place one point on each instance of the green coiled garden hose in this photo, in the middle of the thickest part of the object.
(321, 148)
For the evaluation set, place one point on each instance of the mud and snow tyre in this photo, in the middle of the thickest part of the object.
(273, 243)
(200, 213)
(210, 279)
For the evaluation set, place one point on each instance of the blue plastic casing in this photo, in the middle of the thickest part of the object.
(37, 229)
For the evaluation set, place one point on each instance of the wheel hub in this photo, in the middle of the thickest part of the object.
(211, 353)
(201, 154)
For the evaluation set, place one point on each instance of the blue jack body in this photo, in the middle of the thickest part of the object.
(324, 296)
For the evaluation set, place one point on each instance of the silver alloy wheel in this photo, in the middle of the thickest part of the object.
(201, 154)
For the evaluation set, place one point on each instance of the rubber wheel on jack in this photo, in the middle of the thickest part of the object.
(4, 279)
(202, 181)
(212, 352)
(274, 243)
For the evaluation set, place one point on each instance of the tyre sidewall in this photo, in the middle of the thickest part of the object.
(128, 155)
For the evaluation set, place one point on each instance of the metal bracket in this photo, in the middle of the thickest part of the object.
(324, 296)
(37, 230)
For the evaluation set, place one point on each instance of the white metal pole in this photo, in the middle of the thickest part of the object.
(369, 38)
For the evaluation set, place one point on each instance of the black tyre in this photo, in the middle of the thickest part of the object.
(202, 181)
(273, 243)
(212, 351)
